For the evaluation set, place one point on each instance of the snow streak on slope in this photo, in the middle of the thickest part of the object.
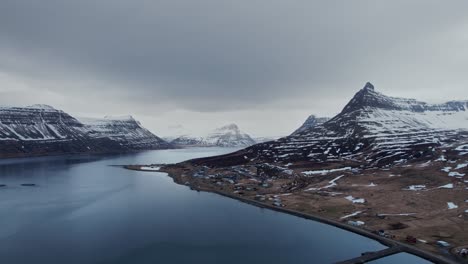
(38, 122)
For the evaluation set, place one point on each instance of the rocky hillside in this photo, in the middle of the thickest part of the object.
(43, 130)
(372, 130)
(226, 136)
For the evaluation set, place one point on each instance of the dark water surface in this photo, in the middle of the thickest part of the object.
(84, 211)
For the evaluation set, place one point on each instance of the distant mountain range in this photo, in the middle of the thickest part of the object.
(43, 130)
(372, 130)
(226, 136)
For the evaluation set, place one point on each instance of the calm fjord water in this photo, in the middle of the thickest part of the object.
(84, 211)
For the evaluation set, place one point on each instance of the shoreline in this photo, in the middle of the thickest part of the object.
(404, 248)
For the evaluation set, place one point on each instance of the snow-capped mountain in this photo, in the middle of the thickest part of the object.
(37, 122)
(125, 130)
(373, 130)
(43, 130)
(226, 136)
(311, 121)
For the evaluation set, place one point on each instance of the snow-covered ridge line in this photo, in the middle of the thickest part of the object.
(106, 119)
(369, 97)
(35, 107)
(43, 130)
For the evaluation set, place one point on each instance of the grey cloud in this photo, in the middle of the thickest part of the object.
(214, 55)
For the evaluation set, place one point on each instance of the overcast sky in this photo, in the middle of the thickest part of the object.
(199, 64)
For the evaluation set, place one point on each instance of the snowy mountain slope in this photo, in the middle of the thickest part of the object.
(226, 136)
(311, 121)
(373, 130)
(42, 130)
(125, 130)
(38, 123)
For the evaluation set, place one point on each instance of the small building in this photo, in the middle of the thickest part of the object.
(356, 223)
(442, 243)
(259, 197)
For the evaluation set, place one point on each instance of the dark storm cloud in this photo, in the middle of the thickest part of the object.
(213, 55)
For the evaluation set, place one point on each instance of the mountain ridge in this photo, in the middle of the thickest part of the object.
(372, 129)
(40, 130)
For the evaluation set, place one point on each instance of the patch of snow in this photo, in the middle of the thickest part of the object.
(355, 200)
(323, 172)
(415, 187)
(456, 174)
(452, 205)
(351, 215)
(461, 166)
(446, 169)
(462, 147)
(425, 164)
(332, 183)
(446, 186)
(404, 214)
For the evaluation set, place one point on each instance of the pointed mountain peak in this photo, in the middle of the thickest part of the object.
(368, 87)
(367, 97)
